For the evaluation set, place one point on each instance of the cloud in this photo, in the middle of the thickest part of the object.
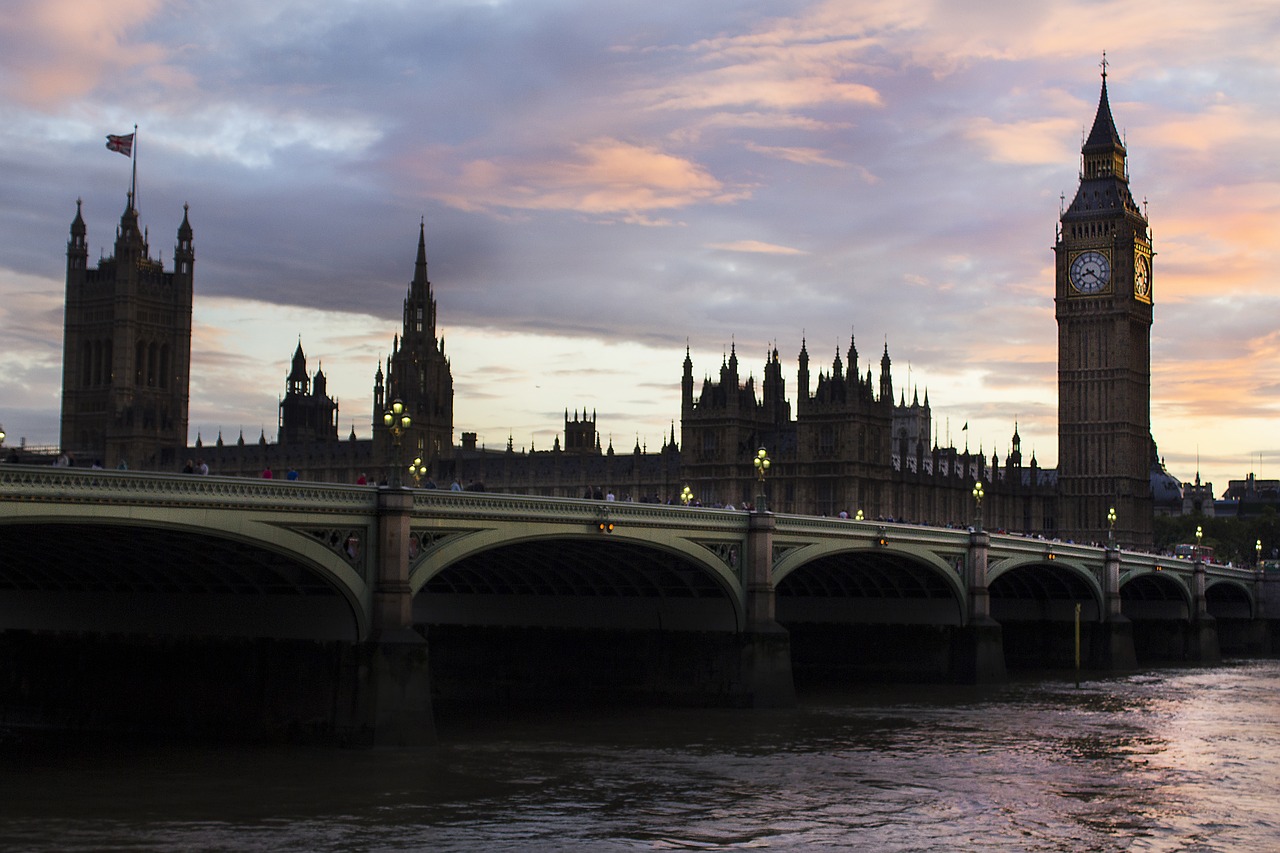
(601, 177)
(1033, 142)
(58, 50)
(795, 154)
(755, 246)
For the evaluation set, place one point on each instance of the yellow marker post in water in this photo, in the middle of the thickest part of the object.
(1077, 645)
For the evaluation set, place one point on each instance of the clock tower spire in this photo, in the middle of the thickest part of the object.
(1104, 312)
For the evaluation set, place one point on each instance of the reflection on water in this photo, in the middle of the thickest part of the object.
(1161, 761)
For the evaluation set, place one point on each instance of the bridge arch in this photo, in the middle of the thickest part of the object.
(839, 581)
(183, 572)
(1151, 593)
(1228, 598)
(1034, 587)
(627, 579)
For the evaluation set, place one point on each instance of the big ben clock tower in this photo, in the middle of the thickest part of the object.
(1103, 301)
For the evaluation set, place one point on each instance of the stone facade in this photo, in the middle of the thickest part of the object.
(126, 360)
(1104, 312)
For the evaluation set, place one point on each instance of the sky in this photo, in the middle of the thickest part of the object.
(606, 184)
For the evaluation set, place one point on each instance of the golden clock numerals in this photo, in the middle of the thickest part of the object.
(1142, 278)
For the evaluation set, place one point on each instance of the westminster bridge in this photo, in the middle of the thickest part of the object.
(523, 593)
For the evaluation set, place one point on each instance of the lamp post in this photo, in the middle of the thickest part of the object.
(858, 516)
(761, 463)
(397, 420)
(978, 494)
(417, 470)
(686, 495)
(1257, 549)
(1111, 527)
(1199, 536)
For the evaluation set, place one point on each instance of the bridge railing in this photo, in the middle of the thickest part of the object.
(472, 505)
(41, 483)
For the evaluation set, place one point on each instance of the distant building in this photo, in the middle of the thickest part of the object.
(1252, 496)
(126, 358)
(1197, 498)
(307, 413)
(848, 449)
(418, 375)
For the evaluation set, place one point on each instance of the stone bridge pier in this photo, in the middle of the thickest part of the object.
(1202, 644)
(1113, 648)
(978, 649)
(393, 672)
(765, 646)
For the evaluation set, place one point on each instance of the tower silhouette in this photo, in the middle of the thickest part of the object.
(127, 349)
(1104, 312)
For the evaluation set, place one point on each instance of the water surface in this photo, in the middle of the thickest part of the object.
(1163, 760)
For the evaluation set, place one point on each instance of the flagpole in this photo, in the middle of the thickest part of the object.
(133, 188)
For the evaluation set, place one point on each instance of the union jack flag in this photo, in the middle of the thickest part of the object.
(123, 144)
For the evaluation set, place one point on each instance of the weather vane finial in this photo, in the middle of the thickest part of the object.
(1104, 65)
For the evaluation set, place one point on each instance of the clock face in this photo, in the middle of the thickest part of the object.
(1142, 277)
(1090, 272)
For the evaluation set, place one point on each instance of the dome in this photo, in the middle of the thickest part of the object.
(1166, 490)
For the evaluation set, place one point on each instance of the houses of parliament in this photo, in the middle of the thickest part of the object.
(845, 441)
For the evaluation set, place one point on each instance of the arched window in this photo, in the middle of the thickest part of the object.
(826, 440)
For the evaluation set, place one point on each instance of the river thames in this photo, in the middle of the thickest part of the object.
(1160, 760)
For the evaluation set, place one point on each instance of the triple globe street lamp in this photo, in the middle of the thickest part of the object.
(761, 463)
(979, 492)
(397, 421)
(417, 470)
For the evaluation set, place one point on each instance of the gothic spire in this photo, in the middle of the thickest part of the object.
(1103, 172)
(1103, 136)
(184, 230)
(419, 305)
(298, 371)
(420, 268)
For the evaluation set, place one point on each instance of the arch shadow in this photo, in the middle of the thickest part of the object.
(575, 580)
(142, 577)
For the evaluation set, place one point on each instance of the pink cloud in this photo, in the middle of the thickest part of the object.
(1048, 141)
(756, 246)
(601, 177)
(796, 154)
(771, 85)
(56, 50)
